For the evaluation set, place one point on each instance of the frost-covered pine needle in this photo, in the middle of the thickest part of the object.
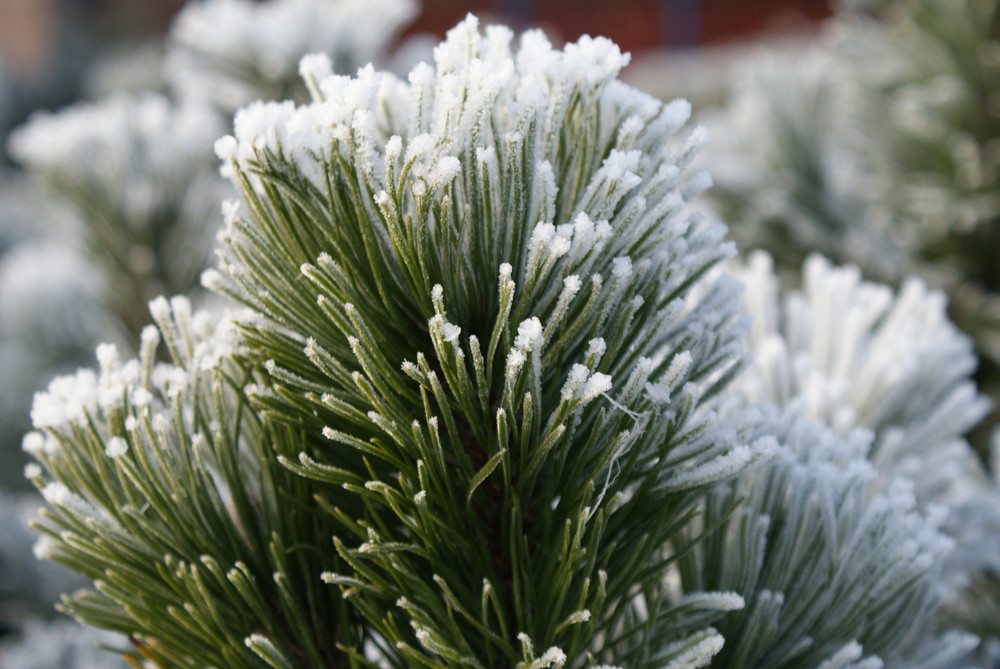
(480, 280)
(857, 355)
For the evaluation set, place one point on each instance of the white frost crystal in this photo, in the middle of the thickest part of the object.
(810, 545)
(529, 336)
(856, 355)
(116, 447)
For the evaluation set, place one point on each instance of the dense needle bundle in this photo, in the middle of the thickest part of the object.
(477, 286)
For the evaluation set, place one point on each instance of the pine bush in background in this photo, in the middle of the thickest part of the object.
(135, 171)
(232, 52)
(937, 70)
(876, 147)
(789, 174)
(853, 354)
(884, 140)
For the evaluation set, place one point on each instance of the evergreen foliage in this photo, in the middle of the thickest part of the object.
(200, 545)
(789, 173)
(841, 506)
(135, 171)
(478, 408)
(853, 354)
(537, 456)
(833, 575)
(454, 275)
(232, 52)
(938, 164)
(876, 147)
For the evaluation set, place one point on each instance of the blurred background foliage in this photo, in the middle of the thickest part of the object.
(867, 131)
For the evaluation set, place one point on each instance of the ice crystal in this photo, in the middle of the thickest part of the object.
(858, 355)
(810, 547)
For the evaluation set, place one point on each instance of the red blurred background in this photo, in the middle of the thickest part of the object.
(30, 29)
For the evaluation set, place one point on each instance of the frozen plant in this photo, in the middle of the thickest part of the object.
(884, 157)
(476, 285)
(787, 171)
(833, 576)
(167, 492)
(136, 172)
(934, 68)
(463, 419)
(232, 52)
(477, 413)
(854, 354)
(974, 573)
